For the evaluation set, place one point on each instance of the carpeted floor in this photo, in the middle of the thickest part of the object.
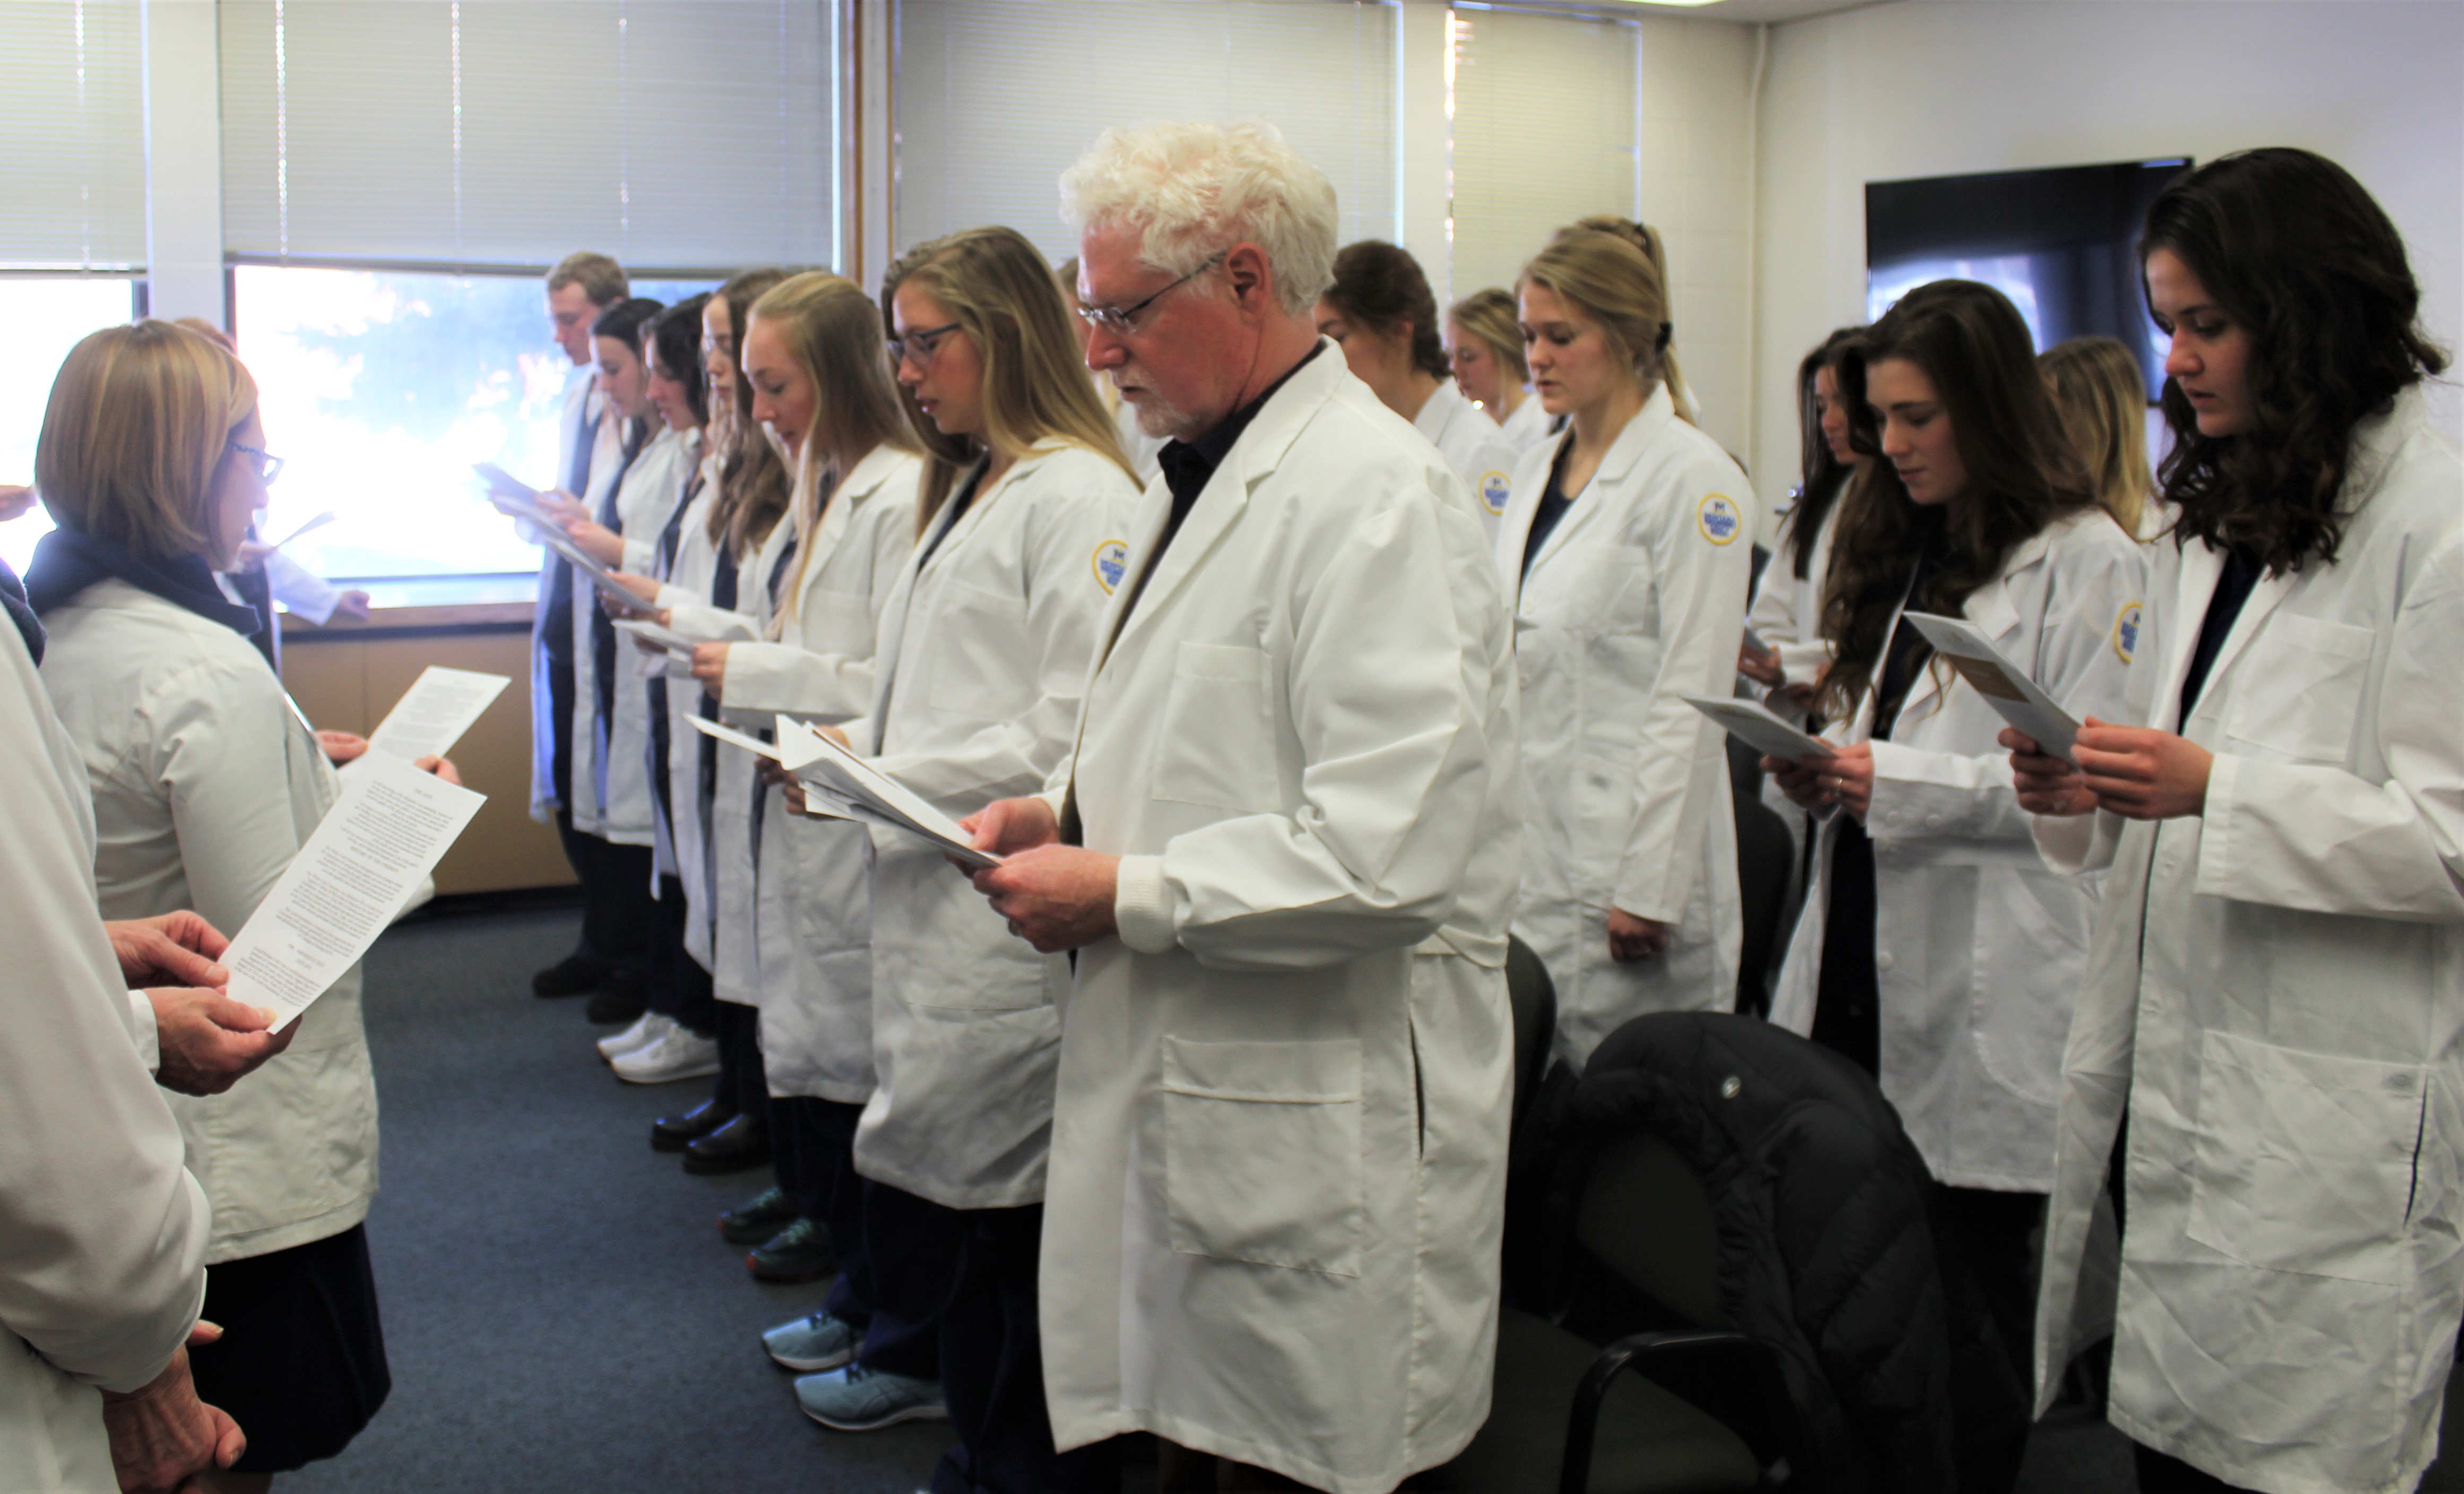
(559, 1310)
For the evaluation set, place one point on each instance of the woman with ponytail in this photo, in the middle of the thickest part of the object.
(1627, 543)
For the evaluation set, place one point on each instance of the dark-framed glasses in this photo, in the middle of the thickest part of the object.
(265, 464)
(1122, 320)
(919, 345)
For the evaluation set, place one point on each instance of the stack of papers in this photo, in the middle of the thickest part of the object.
(367, 860)
(2005, 687)
(433, 713)
(841, 786)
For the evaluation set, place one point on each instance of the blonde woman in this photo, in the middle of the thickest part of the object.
(985, 653)
(1627, 543)
(206, 782)
(1487, 348)
(2101, 397)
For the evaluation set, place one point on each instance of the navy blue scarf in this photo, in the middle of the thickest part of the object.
(13, 601)
(67, 561)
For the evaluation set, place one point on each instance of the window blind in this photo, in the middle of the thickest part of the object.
(669, 133)
(995, 98)
(71, 135)
(1545, 131)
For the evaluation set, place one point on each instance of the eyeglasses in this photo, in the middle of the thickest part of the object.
(1122, 320)
(919, 345)
(268, 466)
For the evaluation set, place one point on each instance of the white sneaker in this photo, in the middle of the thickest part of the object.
(677, 1054)
(650, 1029)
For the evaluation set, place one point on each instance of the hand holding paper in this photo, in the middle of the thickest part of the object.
(367, 859)
(1754, 724)
(866, 792)
(2005, 687)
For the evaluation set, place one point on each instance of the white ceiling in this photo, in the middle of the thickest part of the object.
(1751, 10)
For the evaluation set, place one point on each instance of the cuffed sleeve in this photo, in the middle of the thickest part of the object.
(145, 1031)
(1142, 905)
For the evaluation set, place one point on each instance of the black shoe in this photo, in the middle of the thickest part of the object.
(624, 999)
(799, 1253)
(740, 1144)
(758, 1217)
(575, 975)
(674, 1132)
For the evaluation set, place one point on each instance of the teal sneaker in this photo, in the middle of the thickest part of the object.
(820, 1342)
(858, 1399)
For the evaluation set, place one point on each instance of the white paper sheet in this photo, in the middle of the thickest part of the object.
(733, 737)
(319, 522)
(433, 713)
(515, 500)
(666, 638)
(870, 794)
(368, 857)
(1751, 723)
(2005, 687)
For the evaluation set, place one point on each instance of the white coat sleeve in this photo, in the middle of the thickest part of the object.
(1064, 599)
(2323, 840)
(640, 556)
(1394, 773)
(1922, 795)
(828, 687)
(693, 615)
(102, 1232)
(219, 753)
(1681, 775)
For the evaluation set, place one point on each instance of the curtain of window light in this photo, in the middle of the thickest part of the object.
(1544, 133)
(664, 132)
(996, 98)
(71, 135)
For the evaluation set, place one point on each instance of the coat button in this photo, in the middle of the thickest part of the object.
(1893, 818)
(1933, 821)
(1882, 960)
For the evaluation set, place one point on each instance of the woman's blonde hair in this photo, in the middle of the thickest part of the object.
(753, 481)
(140, 418)
(996, 288)
(831, 331)
(1488, 316)
(2101, 397)
(1610, 270)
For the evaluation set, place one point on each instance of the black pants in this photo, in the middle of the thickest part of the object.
(1847, 999)
(1990, 1236)
(910, 1256)
(992, 1370)
(2159, 1474)
(810, 1147)
(679, 987)
(301, 1362)
(617, 909)
(741, 1089)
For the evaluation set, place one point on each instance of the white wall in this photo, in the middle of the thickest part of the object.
(1695, 78)
(1924, 88)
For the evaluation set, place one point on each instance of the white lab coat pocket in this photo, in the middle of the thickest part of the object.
(979, 637)
(2306, 1162)
(2298, 689)
(1217, 746)
(1262, 1153)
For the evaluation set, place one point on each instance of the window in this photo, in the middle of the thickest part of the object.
(71, 135)
(970, 155)
(46, 315)
(380, 388)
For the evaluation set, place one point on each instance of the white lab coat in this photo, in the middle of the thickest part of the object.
(734, 819)
(1786, 612)
(611, 782)
(1275, 1188)
(1474, 445)
(684, 593)
(206, 783)
(2276, 986)
(584, 409)
(102, 1234)
(1978, 949)
(1637, 598)
(983, 657)
(1528, 427)
(812, 903)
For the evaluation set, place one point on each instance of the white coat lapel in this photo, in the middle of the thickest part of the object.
(1514, 527)
(1615, 466)
(2263, 598)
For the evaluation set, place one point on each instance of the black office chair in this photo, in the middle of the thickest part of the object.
(1764, 855)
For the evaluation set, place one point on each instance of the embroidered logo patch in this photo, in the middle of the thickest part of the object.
(1494, 490)
(2125, 631)
(1112, 563)
(1719, 519)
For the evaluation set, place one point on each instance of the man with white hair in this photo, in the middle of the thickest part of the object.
(1286, 852)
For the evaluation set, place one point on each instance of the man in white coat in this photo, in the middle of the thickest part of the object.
(1283, 850)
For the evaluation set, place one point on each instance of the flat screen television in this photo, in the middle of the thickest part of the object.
(2061, 243)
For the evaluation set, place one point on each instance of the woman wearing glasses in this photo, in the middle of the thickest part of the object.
(983, 654)
(206, 783)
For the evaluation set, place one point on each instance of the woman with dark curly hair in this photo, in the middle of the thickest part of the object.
(2266, 1060)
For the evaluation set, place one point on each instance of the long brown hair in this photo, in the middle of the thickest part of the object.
(752, 480)
(1822, 478)
(2301, 256)
(1379, 286)
(2022, 473)
(828, 326)
(998, 290)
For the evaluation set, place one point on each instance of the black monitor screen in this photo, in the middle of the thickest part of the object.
(2061, 243)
